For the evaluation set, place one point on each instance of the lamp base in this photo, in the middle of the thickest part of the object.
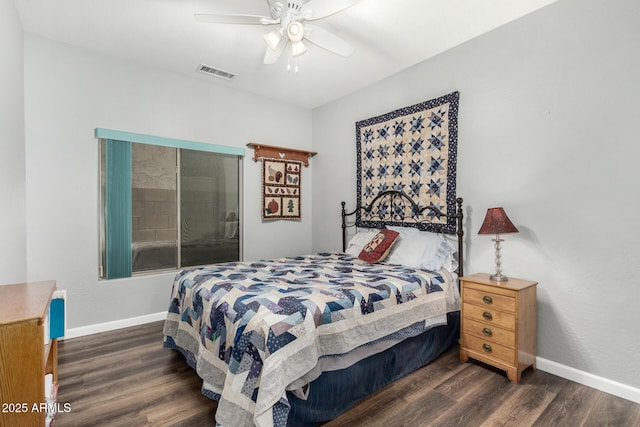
(498, 278)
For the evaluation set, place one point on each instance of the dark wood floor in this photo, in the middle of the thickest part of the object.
(126, 378)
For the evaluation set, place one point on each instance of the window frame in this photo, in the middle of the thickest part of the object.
(108, 134)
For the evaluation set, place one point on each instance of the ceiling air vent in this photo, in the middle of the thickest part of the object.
(205, 69)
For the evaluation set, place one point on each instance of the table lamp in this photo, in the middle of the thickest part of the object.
(497, 222)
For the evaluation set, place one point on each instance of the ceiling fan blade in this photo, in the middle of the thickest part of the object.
(323, 8)
(272, 56)
(232, 19)
(323, 38)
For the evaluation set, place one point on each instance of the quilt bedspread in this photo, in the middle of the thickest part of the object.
(254, 328)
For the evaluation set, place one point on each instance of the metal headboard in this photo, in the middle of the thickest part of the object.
(392, 217)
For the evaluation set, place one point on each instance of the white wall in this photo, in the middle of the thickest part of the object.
(547, 129)
(68, 93)
(12, 161)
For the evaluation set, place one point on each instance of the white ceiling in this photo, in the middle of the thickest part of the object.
(388, 36)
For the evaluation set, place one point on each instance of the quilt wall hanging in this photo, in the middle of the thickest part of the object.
(412, 149)
(281, 175)
(281, 189)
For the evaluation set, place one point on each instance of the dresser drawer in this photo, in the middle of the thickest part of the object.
(490, 299)
(490, 349)
(489, 316)
(489, 332)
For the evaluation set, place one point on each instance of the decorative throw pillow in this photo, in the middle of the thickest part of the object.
(358, 241)
(378, 248)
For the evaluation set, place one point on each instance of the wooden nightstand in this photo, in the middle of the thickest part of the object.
(499, 323)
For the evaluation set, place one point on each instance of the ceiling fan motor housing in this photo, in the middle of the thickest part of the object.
(293, 10)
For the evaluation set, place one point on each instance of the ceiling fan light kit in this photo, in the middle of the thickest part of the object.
(273, 38)
(295, 31)
(298, 48)
(290, 18)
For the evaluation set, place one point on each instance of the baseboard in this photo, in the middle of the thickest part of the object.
(603, 384)
(116, 324)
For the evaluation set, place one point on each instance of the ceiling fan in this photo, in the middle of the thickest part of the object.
(291, 18)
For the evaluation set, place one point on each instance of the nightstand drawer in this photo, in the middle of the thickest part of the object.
(490, 349)
(489, 316)
(489, 332)
(490, 300)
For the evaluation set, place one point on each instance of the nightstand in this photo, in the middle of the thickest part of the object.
(499, 323)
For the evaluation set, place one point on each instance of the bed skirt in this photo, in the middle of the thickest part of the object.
(334, 392)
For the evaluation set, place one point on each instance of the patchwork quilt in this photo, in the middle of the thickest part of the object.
(251, 329)
(412, 149)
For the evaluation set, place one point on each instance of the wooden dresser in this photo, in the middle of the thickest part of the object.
(25, 357)
(499, 323)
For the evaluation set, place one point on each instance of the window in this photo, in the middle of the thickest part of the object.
(166, 204)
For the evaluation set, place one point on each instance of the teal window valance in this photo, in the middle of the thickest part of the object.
(167, 142)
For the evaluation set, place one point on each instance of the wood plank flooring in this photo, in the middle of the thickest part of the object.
(126, 378)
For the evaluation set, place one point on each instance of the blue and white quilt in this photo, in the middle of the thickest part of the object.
(251, 329)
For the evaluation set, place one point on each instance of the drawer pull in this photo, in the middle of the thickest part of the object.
(487, 348)
(487, 315)
(487, 332)
(487, 299)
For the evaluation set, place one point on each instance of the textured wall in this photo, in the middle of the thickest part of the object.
(547, 129)
(13, 266)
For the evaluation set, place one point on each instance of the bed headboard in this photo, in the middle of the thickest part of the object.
(396, 217)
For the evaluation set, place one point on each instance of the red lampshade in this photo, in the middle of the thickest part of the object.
(497, 222)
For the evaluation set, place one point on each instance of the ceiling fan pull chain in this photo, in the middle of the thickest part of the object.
(295, 64)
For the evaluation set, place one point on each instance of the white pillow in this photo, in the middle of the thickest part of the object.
(357, 242)
(422, 249)
(407, 250)
(450, 263)
(436, 255)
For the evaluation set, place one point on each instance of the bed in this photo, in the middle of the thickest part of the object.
(299, 340)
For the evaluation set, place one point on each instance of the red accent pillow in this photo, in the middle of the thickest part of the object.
(379, 247)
